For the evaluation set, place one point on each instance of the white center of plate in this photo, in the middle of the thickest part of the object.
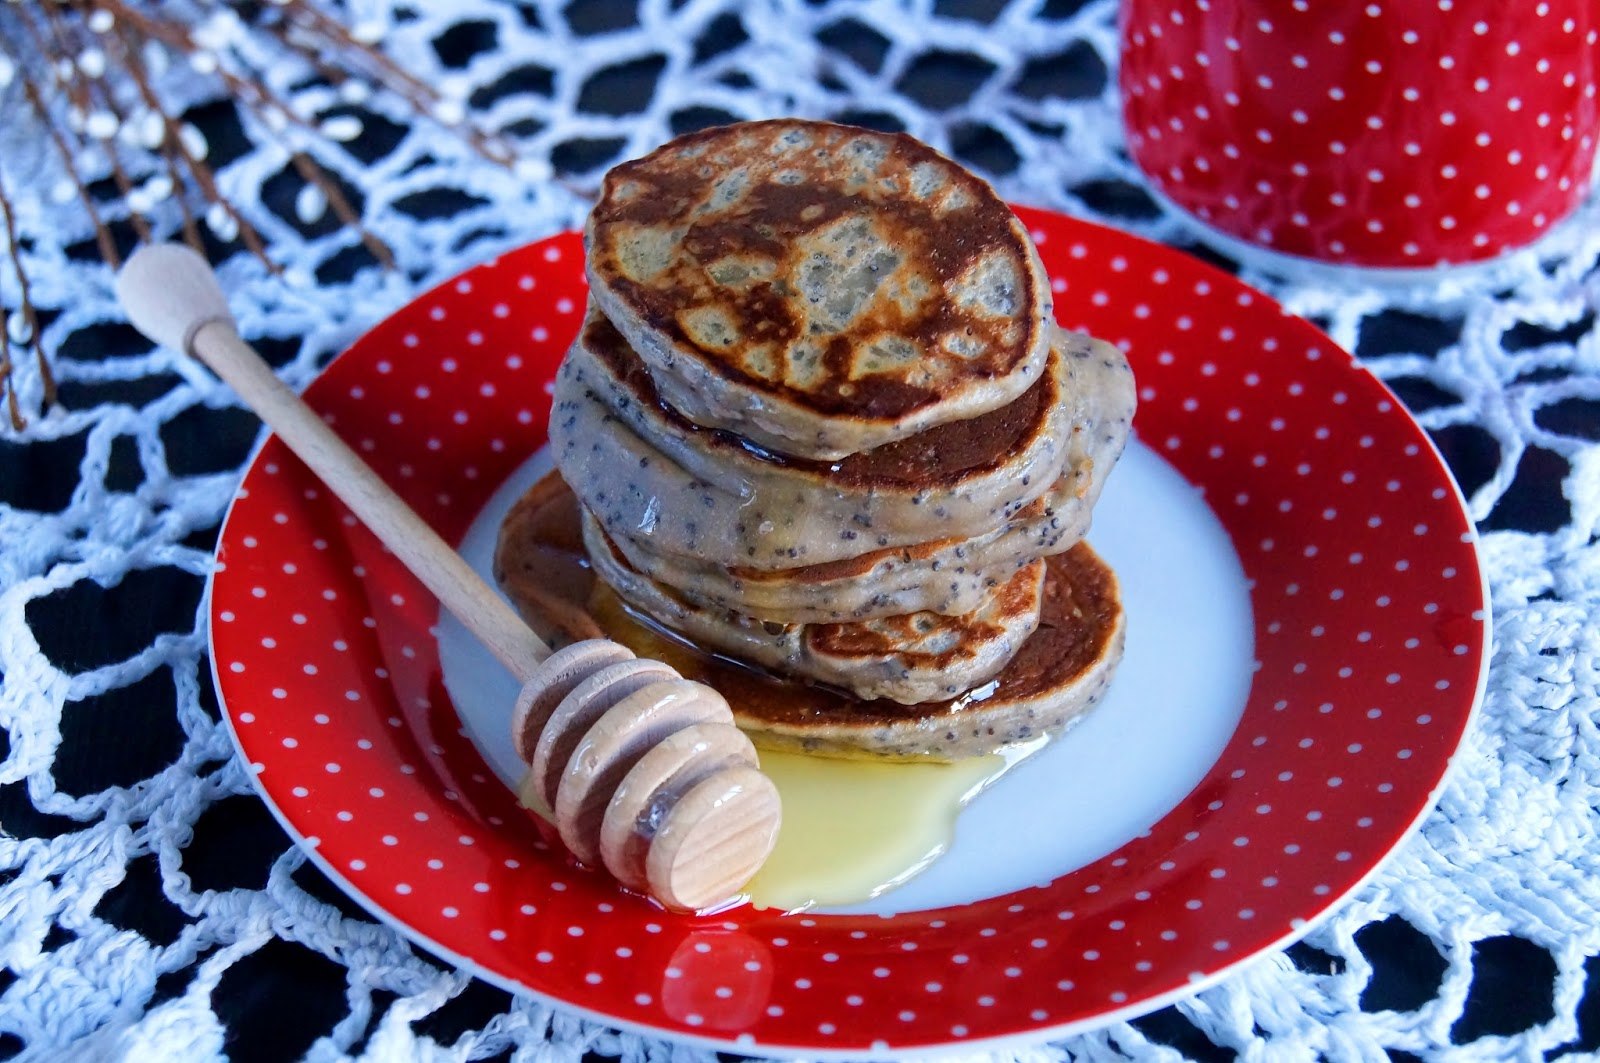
(1176, 700)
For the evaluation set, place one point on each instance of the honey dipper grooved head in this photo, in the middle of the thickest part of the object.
(552, 682)
(614, 744)
(578, 711)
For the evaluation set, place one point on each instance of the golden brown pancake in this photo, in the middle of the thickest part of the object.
(653, 506)
(1061, 672)
(818, 289)
(943, 576)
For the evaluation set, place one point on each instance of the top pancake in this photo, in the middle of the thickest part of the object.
(818, 289)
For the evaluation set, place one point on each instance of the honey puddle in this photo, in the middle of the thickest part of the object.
(855, 829)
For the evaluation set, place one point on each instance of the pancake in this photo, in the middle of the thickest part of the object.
(1060, 673)
(1061, 670)
(909, 658)
(654, 508)
(541, 563)
(818, 289)
(958, 478)
(946, 575)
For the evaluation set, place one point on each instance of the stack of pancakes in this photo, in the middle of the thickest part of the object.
(819, 419)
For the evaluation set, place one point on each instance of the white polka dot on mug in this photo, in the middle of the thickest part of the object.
(1389, 134)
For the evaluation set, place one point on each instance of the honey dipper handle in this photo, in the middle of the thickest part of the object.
(171, 296)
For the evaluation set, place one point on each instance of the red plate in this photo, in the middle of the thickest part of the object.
(1346, 523)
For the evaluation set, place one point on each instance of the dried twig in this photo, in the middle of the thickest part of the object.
(75, 59)
(106, 94)
(313, 174)
(251, 89)
(102, 233)
(30, 319)
(173, 144)
(84, 99)
(424, 98)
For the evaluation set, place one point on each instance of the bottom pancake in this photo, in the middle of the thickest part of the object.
(1060, 673)
(1061, 670)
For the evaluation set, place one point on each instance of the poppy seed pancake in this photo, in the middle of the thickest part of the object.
(909, 658)
(819, 421)
(1060, 671)
(818, 289)
(955, 479)
(945, 575)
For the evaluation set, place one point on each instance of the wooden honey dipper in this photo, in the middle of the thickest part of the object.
(639, 769)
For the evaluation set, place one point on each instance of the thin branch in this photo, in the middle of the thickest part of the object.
(108, 245)
(303, 29)
(253, 89)
(82, 95)
(173, 143)
(314, 174)
(18, 422)
(106, 41)
(424, 98)
(47, 380)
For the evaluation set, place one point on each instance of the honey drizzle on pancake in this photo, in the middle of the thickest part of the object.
(852, 829)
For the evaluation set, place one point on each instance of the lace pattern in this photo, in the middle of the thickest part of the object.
(123, 933)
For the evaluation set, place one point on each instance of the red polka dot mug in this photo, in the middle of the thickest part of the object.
(1387, 133)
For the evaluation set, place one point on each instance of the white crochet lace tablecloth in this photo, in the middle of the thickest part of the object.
(150, 908)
